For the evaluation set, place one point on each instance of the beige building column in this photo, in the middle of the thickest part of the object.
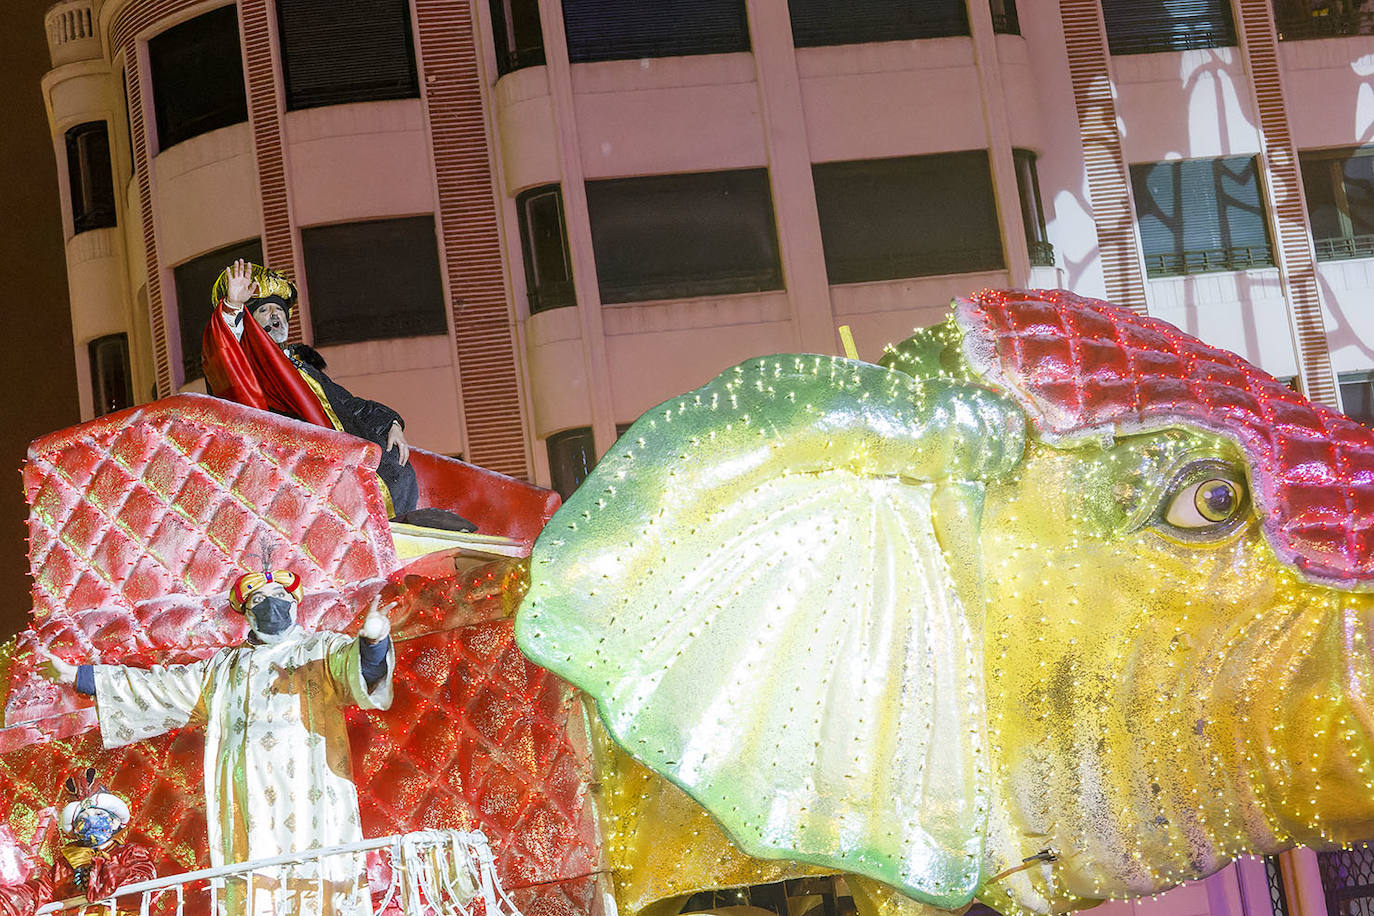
(579, 230)
(789, 174)
(1302, 882)
(1014, 246)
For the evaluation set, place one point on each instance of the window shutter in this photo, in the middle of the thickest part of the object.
(197, 75)
(825, 22)
(683, 236)
(631, 29)
(913, 216)
(333, 52)
(1134, 27)
(374, 280)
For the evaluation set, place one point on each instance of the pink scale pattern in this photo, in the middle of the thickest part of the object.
(1080, 365)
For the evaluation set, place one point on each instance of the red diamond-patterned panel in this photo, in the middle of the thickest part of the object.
(477, 737)
(141, 520)
(1078, 363)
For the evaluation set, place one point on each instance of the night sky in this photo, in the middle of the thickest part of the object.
(39, 377)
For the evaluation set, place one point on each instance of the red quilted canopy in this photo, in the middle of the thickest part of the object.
(139, 523)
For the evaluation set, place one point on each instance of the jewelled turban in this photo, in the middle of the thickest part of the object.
(248, 583)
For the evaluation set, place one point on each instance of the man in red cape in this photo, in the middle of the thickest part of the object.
(249, 362)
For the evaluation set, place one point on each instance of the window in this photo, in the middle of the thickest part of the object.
(112, 386)
(631, 29)
(332, 52)
(681, 236)
(194, 280)
(516, 32)
(915, 216)
(1032, 212)
(197, 75)
(1298, 19)
(544, 245)
(825, 22)
(1134, 27)
(571, 458)
(1200, 215)
(1357, 396)
(1339, 187)
(1004, 18)
(374, 280)
(90, 177)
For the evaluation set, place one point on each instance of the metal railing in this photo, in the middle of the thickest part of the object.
(1178, 263)
(433, 873)
(1345, 248)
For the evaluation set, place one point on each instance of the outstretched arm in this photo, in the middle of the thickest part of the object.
(374, 642)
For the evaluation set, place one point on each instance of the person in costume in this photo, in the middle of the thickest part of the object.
(250, 362)
(95, 860)
(277, 766)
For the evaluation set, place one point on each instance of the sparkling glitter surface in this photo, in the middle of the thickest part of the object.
(1061, 584)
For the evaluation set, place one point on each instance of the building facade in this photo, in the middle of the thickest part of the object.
(522, 223)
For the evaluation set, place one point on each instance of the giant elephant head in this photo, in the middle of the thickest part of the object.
(1057, 604)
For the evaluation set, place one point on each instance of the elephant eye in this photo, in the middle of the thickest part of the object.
(1207, 500)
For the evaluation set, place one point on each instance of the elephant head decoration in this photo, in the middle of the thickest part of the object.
(1057, 604)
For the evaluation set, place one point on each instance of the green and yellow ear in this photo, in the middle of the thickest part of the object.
(751, 585)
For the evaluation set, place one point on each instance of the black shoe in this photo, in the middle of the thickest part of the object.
(441, 519)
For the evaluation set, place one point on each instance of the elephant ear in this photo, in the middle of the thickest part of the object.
(751, 586)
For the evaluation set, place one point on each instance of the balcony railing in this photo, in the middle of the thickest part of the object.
(1343, 249)
(1178, 263)
(433, 873)
(1041, 254)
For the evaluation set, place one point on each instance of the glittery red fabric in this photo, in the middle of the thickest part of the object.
(1077, 364)
(138, 526)
(140, 521)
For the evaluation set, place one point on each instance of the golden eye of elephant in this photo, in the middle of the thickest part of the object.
(1206, 501)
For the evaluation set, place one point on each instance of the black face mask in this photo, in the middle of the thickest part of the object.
(273, 615)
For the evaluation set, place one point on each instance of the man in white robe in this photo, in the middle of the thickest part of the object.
(277, 766)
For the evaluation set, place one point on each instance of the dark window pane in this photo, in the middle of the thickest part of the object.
(1032, 212)
(194, 280)
(543, 242)
(1339, 189)
(825, 22)
(1357, 399)
(112, 386)
(1358, 177)
(1323, 206)
(90, 177)
(1144, 26)
(571, 458)
(1200, 215)
(359, 51)
(374, 280)
(680, 236)
(910, 217)
(197, 76)
(1298, 19)
(1004, 18)
(519, 39)
(629, 29)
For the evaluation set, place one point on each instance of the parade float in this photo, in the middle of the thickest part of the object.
(1055, 605)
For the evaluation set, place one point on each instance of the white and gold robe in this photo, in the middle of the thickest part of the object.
(277, 769)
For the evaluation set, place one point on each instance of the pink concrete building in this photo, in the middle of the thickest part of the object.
(524, 222)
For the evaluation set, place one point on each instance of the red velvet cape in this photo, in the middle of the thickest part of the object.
(255, 372)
